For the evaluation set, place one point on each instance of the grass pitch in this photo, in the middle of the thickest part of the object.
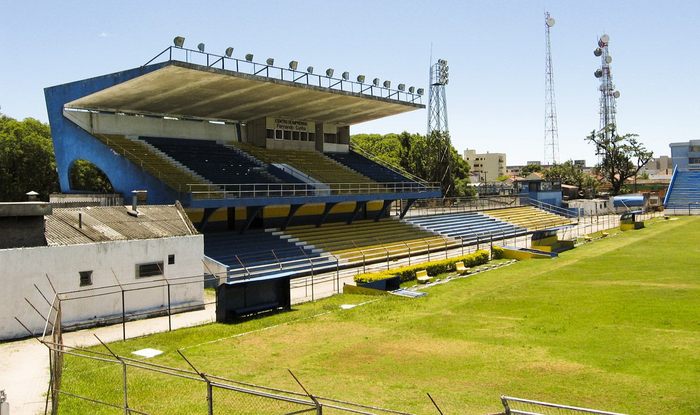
(613, 325)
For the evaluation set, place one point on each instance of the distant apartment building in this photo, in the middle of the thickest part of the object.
(486, 167)
(686, 155)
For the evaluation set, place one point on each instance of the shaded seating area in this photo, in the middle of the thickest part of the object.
(217, 163)
(142, 155)
(260, 254)
(685, 191)
(467, 225)
(311, 163)
(528, 217)
(367, 241)
(367, 167)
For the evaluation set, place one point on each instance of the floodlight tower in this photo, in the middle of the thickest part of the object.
(608, 93)
(551, 128)
(437, 100)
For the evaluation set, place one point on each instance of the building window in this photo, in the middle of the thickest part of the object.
(85, 278)
(270, 133)
(312, 136)
(278, 134)
(171, 259)
(151, 269)
(295, 135)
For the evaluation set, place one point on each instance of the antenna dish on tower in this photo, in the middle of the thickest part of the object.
(598, 73)
(598, 51)
(605, 38)
(550, 21)
(616, 94)
(608, 59)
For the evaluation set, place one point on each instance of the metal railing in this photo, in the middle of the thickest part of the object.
(519, 406)
(254, 190)
(293, 76)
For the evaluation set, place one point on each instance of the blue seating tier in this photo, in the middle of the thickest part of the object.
(367, 167)
(467, 226)
(685, 191)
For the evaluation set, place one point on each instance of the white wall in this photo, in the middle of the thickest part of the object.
(20, 268)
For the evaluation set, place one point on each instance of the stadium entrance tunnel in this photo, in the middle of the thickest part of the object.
(85, 176)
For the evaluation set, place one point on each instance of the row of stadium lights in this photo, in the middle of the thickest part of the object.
(179, 42)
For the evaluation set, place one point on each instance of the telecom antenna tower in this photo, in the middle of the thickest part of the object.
(551, 128)
(437, 100)
(608, 93)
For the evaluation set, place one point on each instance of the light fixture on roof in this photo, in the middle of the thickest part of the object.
(412, 89)
(387, 84)
(179, 41)
(420, 91)
(270, 61)
(329, 72)
(293, 65)
(361, 79)
(201, 47)
(402, 87)
(249, 57)
(375, 81)
(310, 69)
(228, 52)
(346, 75)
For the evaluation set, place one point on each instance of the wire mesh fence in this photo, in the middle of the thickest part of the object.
(519, 406)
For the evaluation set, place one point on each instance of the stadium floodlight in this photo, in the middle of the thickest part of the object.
(346, 75)
(412, 89)
(420, 91)
(179, 41)
(249, 57)
(228, 52)
(201, 47)
(375, 81)
(402, 87)
(293, 65)
(387, 84)
(361, 79)
(270, 61)
(310, 69)
(329, 72)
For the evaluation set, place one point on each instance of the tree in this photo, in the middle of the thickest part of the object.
(84, 175)
(622, 156)
(428, 157)
(26, 159)
(530, 168)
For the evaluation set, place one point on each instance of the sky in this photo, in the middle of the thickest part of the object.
(495, 50)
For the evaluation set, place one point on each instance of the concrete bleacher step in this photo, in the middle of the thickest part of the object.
(172, 161)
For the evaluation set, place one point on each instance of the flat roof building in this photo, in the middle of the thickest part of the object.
(486, 167)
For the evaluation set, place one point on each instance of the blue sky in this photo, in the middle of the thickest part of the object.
(495, 51)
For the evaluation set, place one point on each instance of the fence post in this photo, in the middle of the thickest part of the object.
(170, 320)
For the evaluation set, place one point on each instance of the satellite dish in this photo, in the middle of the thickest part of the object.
(550, 21)
(598, 73)
(201, 47)
(228, 52)
(605, 39)
(616, 94)
(608, 59)
(598, 51)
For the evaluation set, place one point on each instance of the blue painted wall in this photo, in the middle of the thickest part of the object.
(72, 143)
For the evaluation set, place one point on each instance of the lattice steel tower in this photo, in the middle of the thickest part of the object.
(551, 127)
(437, 100)
(608, 93)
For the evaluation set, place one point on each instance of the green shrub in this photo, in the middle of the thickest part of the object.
(497, 252)
(408, 273)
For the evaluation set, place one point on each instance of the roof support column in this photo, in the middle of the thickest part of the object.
(292, 210)
(326, 210)
(205, 217)
(407, 206)
(359, 206)
(385, 208)
(251, 213)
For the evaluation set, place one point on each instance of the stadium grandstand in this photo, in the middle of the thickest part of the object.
(260, 158)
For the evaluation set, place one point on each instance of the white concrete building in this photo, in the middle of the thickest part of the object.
(486, 167)
(89, 252)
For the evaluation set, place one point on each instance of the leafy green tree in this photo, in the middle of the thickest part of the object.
(622, 156)
(429, 158)
(84, 175)
(530, 168)
(26, 159)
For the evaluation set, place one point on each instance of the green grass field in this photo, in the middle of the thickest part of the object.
(613, 325)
